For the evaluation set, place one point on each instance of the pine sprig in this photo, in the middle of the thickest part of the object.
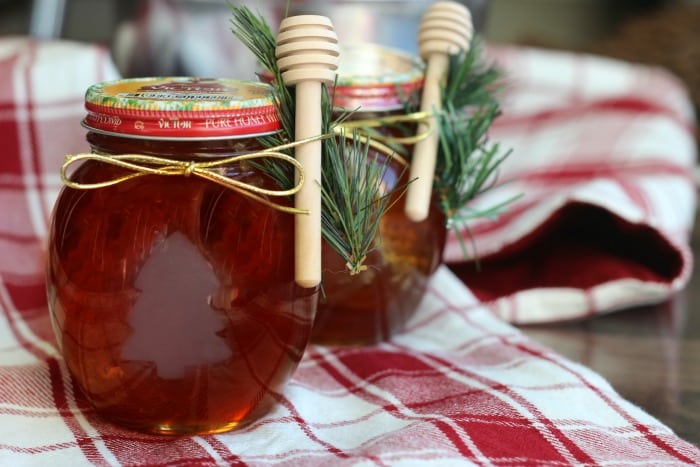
(352, 206)
(460, 178)
(470, 80)
(256, 35)
(351, 222)
(468, 162)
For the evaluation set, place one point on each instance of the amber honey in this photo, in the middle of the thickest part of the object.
(377, 303)
(173, 297)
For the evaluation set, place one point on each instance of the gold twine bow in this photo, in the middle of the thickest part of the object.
(381, 141)
(140, 165)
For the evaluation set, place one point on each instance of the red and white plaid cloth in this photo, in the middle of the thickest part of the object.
(460, 387)
(604, 157)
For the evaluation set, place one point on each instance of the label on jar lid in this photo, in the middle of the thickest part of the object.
(181, 108)
(376, 78)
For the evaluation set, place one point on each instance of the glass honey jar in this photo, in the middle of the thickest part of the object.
(170, 275)
(375, 82)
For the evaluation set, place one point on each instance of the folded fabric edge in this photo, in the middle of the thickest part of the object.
(577, 260)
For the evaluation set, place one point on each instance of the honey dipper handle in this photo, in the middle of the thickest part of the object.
(307, 55)
(307, 248)
(425, 151)
(445, 29)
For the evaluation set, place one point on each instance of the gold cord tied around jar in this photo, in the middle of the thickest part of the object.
(378, 141)
(141, 164)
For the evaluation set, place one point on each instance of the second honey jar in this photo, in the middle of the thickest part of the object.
(375, 304)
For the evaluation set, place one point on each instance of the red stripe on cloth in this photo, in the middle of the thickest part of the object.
(591, 309)
(58, 389)
(33, 143)
(543, 448)
(60, 399)
(454, 406)
(28, 296)
(322, 362)
(306, 429)
(622, 104)
(13, 316)
(636, 194)
(18, 239)
(382, 364)
(10, 148)
(8, 121)
(134, 448)
(223, 451)
(640, 427)
(37, 449)
(456, 440)
(622, 173)
(585, 171)
(551, 427)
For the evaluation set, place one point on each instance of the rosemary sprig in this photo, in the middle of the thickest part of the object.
(467, 161)
(352, 205)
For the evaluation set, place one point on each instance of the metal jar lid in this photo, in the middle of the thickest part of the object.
(181, 108)
(376, 78)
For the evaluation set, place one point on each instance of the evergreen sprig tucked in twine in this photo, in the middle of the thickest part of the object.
(467, 161)
(352, 200)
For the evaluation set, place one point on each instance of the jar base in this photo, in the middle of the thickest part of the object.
(188, 427)
(182, 429)
(173, 429)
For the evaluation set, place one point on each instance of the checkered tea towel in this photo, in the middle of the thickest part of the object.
(460, 387)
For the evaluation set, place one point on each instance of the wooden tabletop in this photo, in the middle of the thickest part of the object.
(650, 355)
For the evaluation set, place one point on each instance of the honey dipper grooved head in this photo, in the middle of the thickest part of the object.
(307, 49)
(446, 28)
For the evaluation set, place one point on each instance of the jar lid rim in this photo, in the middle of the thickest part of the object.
(186, 107)
(373, 77)
(369, 64)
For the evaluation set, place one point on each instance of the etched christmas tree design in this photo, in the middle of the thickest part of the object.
(173, 324)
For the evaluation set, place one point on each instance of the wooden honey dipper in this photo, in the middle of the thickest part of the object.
(446, 28)
(307, 55)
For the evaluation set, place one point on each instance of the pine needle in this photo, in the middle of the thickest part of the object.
(352, 221)
(467, 161)
(352, 204)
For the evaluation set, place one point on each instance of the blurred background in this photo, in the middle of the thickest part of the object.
(170, 37)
